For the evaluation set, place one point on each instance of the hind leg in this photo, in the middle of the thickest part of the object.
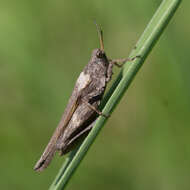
(76, 140)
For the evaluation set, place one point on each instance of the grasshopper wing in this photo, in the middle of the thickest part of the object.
(82, 82)
(50, 149)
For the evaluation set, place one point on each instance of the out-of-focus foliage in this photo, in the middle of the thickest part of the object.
(44, 46)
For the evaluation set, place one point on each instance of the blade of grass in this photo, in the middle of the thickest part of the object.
(143, 47)
(64, 167)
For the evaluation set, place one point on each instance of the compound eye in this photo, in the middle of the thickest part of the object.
(99, 54)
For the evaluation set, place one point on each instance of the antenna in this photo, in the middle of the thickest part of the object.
(100, 34)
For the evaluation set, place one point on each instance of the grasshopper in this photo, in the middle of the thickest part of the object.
(82, 109)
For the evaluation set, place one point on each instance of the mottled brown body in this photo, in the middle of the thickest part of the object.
(79, 117)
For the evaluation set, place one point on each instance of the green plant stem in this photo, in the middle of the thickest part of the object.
(63, 168)
(143, 47)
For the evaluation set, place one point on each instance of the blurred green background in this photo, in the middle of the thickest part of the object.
(44, 45)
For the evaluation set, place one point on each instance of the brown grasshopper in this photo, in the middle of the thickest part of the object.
(82, 109)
